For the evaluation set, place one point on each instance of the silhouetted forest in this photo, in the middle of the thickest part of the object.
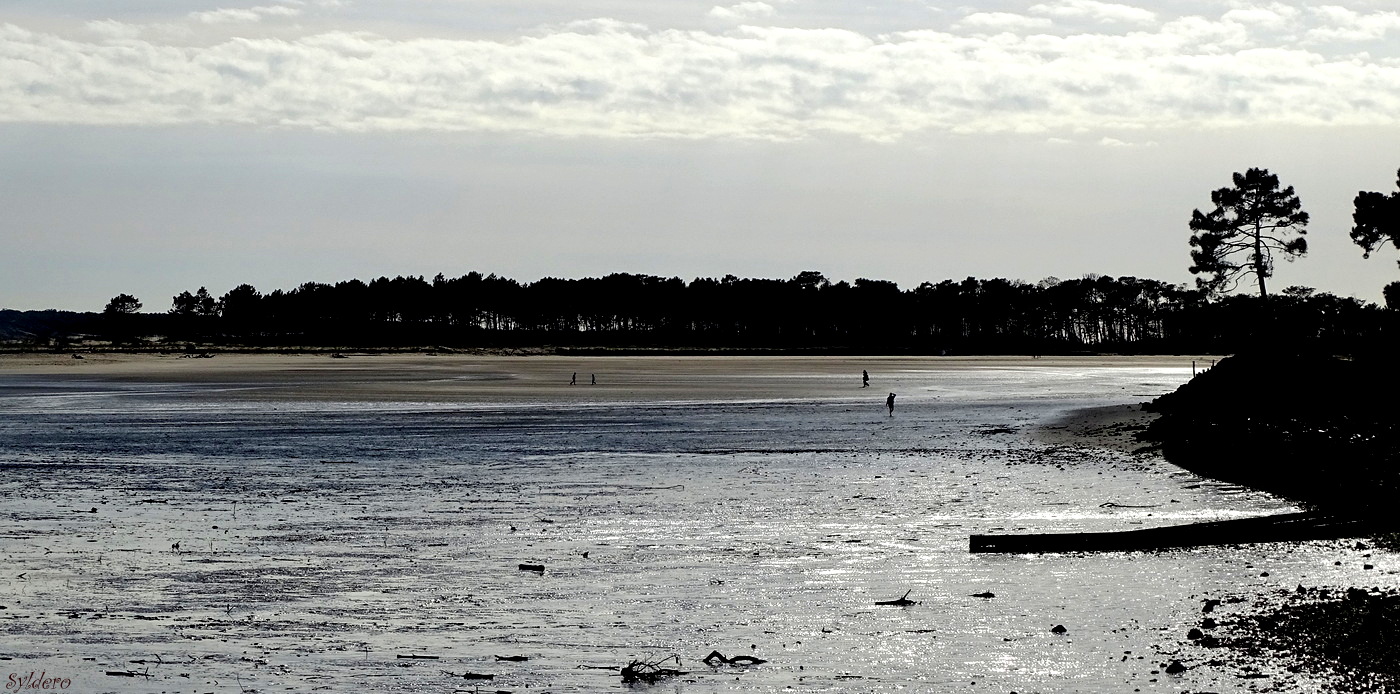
(806, 312)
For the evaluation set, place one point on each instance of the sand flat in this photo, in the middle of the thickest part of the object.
(491, 378)
(300, 523)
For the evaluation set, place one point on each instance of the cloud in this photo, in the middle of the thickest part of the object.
(250, 14)
(611, 79)
(1094, 11)
(998, 22)
(1339, 24)
(743, 11)
(112, 29)
(1115, 142)
(1274, 16)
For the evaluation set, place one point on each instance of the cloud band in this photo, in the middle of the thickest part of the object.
(610, 79)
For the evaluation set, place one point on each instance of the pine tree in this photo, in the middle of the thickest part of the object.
(1251, 221)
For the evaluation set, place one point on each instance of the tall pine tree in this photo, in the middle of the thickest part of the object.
(1251, 221)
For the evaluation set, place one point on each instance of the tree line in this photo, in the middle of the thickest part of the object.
(1235, 241)
(807, 311)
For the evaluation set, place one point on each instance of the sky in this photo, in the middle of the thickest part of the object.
(151, 147)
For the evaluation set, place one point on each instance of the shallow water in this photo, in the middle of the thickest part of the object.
(319, 542)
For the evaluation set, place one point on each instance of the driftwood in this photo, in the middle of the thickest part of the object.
(513, 658)
(470, 675)
(417, 657)
(538, 568)
(1238, 531)
(128, 673)
(717, 657)
(650, 672)
(901, 602)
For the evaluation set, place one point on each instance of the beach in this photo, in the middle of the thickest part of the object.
(390, 522)
(445, 377)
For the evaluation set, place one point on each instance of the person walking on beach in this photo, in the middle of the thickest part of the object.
(592, 379)
(889, 402)
(864, 378)
(573, 379)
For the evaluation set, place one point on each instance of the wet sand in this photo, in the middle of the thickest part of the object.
(469, 379)
(1113, 427)
(279, 522)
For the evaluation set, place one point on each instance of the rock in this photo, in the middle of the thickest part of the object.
(1210, 606)
(988, 594)
(1194, 634)
(1059, 629)
(1208, 623)
(1175, 668)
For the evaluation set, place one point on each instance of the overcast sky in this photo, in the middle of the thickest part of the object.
(156, 146)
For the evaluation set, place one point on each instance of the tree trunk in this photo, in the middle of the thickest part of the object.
(1259, 259)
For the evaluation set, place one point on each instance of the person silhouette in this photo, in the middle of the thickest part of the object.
(573, 379)
(889, 402)
(864, 378)
(592, 379)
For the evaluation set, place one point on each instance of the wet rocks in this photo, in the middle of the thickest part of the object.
(1344, 638)
(1203, 639)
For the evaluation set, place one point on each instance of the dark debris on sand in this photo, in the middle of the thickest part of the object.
(1342, 640)
(651, 671)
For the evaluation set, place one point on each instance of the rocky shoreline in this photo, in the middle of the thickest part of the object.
(1314, 430)
(1318, 430)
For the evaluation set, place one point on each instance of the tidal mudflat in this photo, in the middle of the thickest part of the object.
(302, 523)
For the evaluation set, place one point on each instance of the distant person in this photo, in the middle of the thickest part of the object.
(573, 379)
(889, 402)
(592, 379)
(864, 378)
